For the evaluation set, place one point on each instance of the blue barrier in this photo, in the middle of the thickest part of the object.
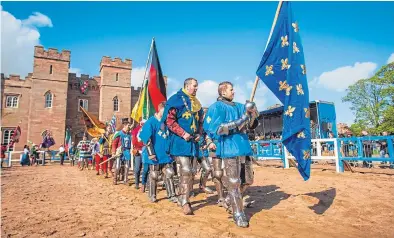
(366, 149)
(353, 149)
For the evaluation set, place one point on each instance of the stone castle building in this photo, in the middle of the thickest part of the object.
(50, 96)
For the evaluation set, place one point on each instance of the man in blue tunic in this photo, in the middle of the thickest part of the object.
(154, 134)
(183, 116)
(227, 122)
(123, 141)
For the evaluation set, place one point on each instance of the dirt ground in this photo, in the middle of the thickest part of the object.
(60, 201)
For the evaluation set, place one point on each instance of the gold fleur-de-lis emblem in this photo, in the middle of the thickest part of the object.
(209, 119)
(289, 111)
(303, 67)
(295, 26)
(186, 115)
(268, 70)
(193, 127)
(285, 64)
(284, 41)
(288, 90)
(295, 48)
(301, 135)
(300, 91)
(307, 112)
(307, 154)
(283, 85)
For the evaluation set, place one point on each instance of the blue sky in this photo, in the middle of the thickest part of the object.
(215, 41)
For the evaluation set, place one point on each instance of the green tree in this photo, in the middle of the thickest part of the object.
(371, 98)
(356, 129)
(388, 121)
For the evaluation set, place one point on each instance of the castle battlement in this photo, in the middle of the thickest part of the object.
(73, 77)
(15, 77)
(116, 62)
(52, 53)
(135, 90)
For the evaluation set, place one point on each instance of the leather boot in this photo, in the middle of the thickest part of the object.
(187, 210)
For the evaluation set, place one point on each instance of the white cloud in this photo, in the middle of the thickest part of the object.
(207, 92)
(137, 76)
(339, 79)
(77, 71)
(37, 20)
(18, 38)
(391, 59)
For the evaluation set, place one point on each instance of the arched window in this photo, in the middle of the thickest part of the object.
(48, 99)
(12, 101)
(116, 104)
(117, 77)
(7, 135)
(50, 69)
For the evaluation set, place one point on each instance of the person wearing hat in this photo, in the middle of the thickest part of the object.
(123, 140)
(105, 149)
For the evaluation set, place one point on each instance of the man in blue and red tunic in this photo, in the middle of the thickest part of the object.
(123, 140)
(183, 115)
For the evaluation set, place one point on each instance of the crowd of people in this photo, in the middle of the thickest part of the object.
(168, 147)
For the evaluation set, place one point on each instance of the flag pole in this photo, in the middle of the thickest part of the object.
(256, 82)
(146, 69)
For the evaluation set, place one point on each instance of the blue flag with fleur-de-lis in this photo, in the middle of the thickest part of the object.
(282, 69)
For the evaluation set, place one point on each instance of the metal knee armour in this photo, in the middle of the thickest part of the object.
(233, 172)
(217, 177)
(154, 175)
(168, 180)
(186, 174)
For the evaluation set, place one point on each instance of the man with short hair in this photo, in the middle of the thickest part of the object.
(183, 115)
(123, 140)
(228, 122)
(154, 135)
(84, 152)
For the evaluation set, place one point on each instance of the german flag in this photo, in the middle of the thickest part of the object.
(153, 90)
(156, 83)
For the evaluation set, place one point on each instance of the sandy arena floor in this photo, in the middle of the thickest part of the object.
(55, 201)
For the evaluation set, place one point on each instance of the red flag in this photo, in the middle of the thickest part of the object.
(15, 137)
(156, 86)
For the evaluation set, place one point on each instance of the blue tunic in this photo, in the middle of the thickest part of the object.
(152, 130)
(234, 144)
(126, 145)
(188, 120)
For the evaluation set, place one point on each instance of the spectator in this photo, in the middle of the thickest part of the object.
(367, 150)
(62, 153)
(25, 156)
(71, 154)
(3, 150)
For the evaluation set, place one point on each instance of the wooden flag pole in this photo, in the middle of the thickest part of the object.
(256, 82)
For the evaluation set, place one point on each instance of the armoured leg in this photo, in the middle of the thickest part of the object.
(233, 172)
(194, 172)
(185, 182)
(247, 174)
(206, 170)
(117, 170)
(169, 173)
(217, 179)
(153, 178)
(126, 170)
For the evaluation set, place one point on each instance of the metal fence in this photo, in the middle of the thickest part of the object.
(358, 151)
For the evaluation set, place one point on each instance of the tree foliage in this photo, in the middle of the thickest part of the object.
(372, 101)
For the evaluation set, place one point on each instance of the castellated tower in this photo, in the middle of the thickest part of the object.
(48, 96)
(115, 89)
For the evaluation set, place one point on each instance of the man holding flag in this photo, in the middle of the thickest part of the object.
(283, 70)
